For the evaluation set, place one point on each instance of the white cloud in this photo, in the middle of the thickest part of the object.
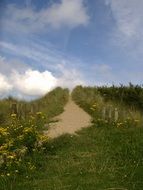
(127, 33)
(43, 55)
(64, 13)
(68, 13)
(5, 86)
(31, 83)
(128, 16)
(34, 83)
(22, 81)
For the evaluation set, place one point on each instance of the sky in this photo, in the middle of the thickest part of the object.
(50, 43)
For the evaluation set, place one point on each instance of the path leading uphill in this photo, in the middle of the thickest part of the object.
(71, 120)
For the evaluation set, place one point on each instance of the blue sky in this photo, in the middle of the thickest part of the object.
(49, 43)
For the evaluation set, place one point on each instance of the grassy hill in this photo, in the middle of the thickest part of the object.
(106, 156)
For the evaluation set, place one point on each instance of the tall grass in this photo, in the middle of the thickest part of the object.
(130, 95)
(108, 110)
(21, 131)
(50, 105)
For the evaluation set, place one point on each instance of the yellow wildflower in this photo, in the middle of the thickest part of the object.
(13, 115)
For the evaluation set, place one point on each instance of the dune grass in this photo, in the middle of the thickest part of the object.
(107, 110)
(50, 105)
(21, 133)
(101, 157)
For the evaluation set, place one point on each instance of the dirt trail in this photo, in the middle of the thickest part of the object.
(71, 120)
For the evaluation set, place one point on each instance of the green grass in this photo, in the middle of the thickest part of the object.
(21, 132)
(98, 158)
(101, 157)
(52, 104)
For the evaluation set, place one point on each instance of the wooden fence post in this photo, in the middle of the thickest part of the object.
(24, 110)
(110, 114)
(124, 114)
(18, 110)
(104, 113)
(116, 114)
(32, 108)
(14, 108)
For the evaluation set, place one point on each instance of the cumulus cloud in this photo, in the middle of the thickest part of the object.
(23, 81)
(19, 80)
(31, 83)
(64, 13)
(34, 83)
(5, 86)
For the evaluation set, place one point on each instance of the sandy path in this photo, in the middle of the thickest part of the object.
(71, 120)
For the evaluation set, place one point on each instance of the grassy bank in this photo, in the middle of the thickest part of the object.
(50, 105)
(98, 158)
(21, 133)
(107, 111)
(106, 156)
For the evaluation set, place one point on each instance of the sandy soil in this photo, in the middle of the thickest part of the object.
(71, 120)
